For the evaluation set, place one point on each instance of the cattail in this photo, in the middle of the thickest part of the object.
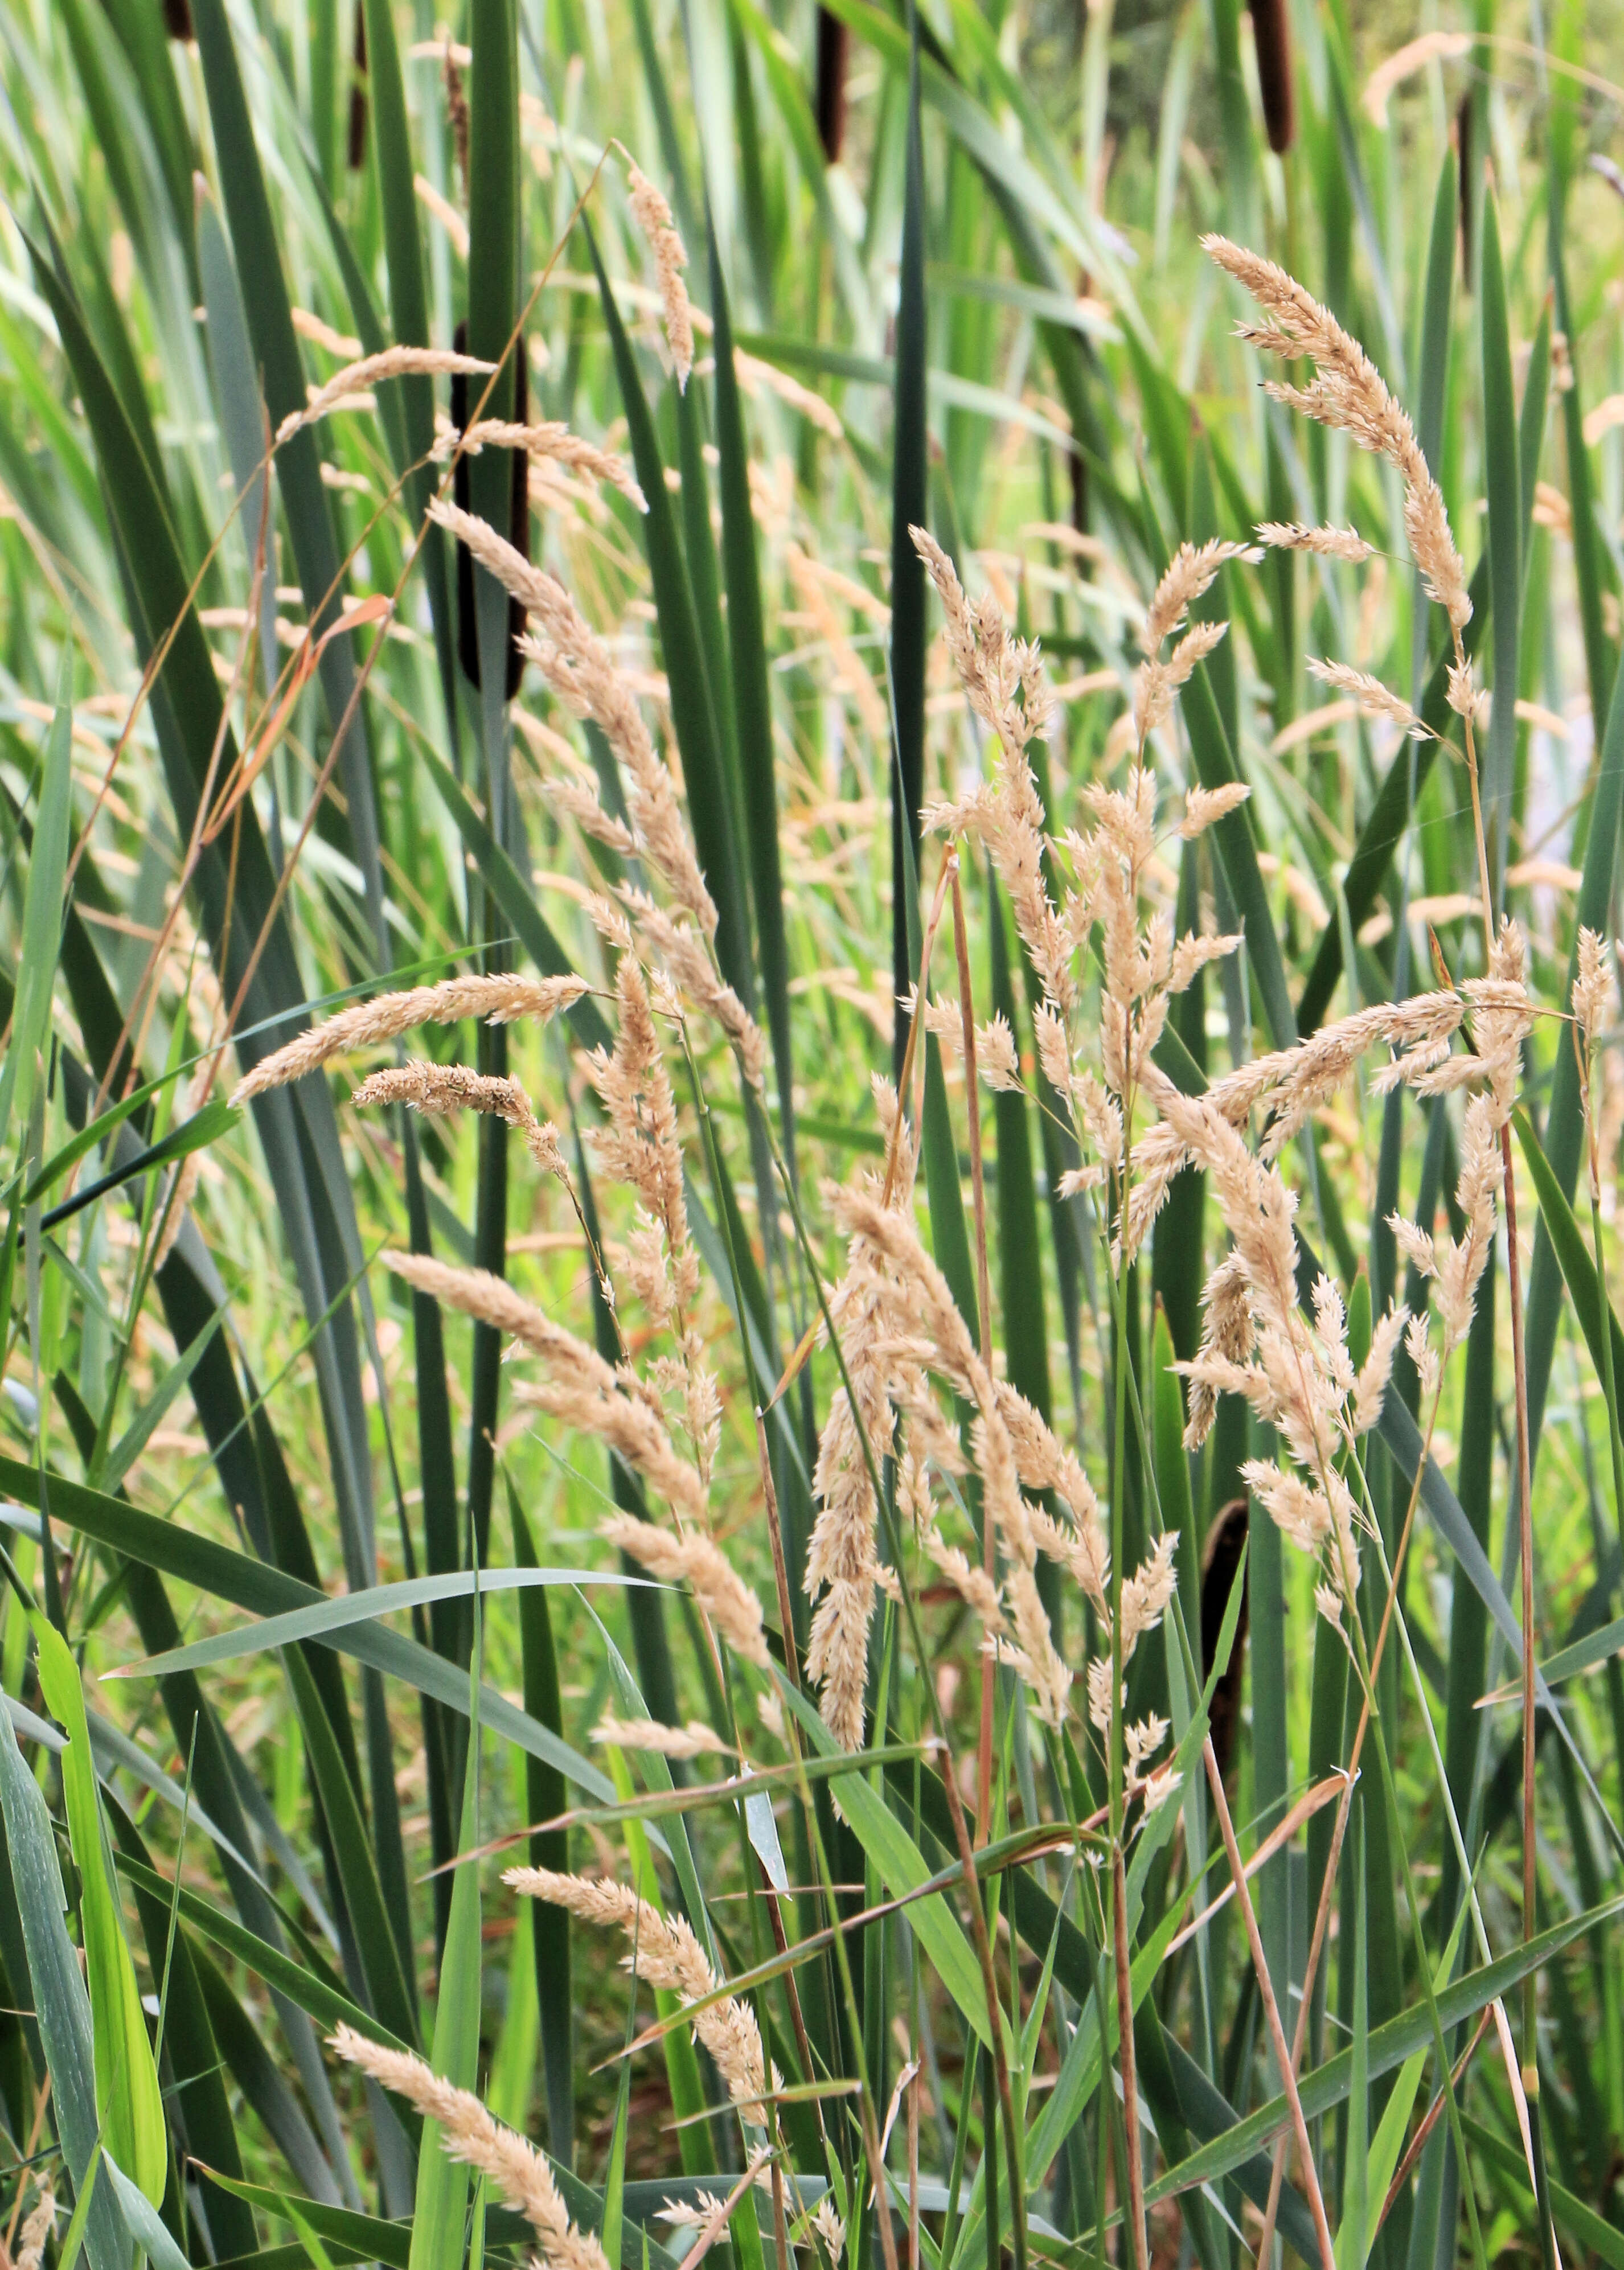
(41, 2223)
(1347, 392)
(1272, 44)
(496, 1000)
(1373, 697)
(653, 216)
(357, 151)
(833, 43)
(666, 1954)
(456, 109)
(696, 1560)
(467, 2133)
(178, 20)
(372, 370)
(1326, 543)
(696, 1740)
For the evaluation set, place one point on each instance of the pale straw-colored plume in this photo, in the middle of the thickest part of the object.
(1373, 697)
(653, 216)
(1348, 393)
(996, 1058)
(754, 374)
(371, 370)
(698, 1560)
(696, 1740)
(512, 2166)
(1325, 543)
(41, 2223)
(638, 1144)
(1203, 807)
(1592, 987)
(1403, 63)
(1189, 574)
(1003, 678)
(916, 1311)
(580, 671)
(666, 1953)
(441, 1090)
(581, 1390)
(551, 440)
(493, 1000)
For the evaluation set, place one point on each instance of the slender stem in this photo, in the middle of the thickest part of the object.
(1277, 2032)
(1124, 2046)
(1525, 1488)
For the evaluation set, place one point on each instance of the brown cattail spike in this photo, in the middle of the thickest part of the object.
(834, 42)
(178, 20)
(1271, 39)
(358, 95)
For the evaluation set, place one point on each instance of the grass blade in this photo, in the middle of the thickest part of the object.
(909, 508)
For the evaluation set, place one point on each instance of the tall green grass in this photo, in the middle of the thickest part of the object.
(356, 1582)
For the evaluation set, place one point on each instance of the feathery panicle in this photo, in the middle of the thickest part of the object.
(1326, 543)
(1003, 678)
(371, 370)
(666, 1954)
(696, 1560)
(653, 216)
(1373, 697)
(552, 439)
(493, 1000)
(1347, 392)
(467, 2131)
(38, 2227)
(439, 1090)
(696, 1740)
(580, 671)
(581, 1390)
(1592, 988)
(1205, 805)
(638, 1144)
(754, 373)
(1189, 574)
